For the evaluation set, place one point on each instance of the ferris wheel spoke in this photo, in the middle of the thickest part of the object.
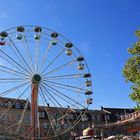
(68, 76)
(28, 53)
(45, 55)
(66, 88)
(18, 57)
(64, 116)
(43, 93)
(61, 78)
(65, 85)
(21, 118)
(57, 56)
(59, 110)
(62, 108)
(60, 67)
(15, 48)
(36, 55)
(15, 102)
(51, 96)
(16, 66)
(62, 97)
(66, 97)
(61, 87)
(13, 61)
(13, 89)
(22, 58)
(12, 82)
(12, 71)
(13, 79)
(50, 120)
(11, 126)
(42, 96)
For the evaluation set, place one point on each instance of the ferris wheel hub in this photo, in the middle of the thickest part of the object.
(36, 78)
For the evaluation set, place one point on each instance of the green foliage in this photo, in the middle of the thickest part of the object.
(131, 71)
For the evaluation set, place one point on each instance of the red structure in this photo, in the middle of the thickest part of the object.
(34, 107)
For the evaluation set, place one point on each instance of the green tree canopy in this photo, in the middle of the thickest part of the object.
(131, 70)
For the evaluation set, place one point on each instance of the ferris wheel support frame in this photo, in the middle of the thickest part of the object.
(34, 106)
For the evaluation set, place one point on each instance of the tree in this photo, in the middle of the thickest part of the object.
(131, 71)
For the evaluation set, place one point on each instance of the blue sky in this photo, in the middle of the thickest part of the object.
(101, 29)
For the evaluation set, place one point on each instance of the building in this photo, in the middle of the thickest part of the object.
(112, 122)
(110, 115)
(15, 120)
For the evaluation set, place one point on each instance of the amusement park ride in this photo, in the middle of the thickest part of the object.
(44, 68)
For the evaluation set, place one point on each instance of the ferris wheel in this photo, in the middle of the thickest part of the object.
(41, 72)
